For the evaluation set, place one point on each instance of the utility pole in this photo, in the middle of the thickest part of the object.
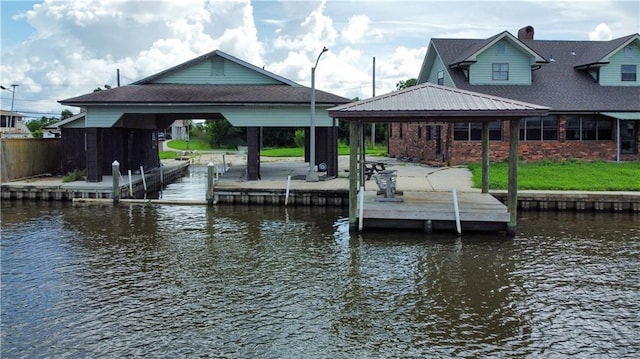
(312, 176)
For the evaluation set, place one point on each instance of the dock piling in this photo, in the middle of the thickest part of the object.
(130, 184)
(144, 180)
(286, 196)
(361, 209)
(456, 210)
(211, 172)
(115, 173)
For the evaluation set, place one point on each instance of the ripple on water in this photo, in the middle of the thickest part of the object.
(174, 281)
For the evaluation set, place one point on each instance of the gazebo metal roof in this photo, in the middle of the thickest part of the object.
(433, 102)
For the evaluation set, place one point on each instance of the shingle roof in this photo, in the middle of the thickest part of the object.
(430, 100)
(598, 50)
(558, 84)
(205, 95)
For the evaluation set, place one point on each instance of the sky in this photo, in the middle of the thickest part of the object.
(60, 49)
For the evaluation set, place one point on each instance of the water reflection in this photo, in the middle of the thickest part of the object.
(236, 281)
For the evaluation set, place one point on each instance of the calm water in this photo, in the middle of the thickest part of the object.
(175, 281)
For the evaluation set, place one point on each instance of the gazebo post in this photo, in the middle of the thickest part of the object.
(485, 157)
(363, 149)
(512, 192)
(354, 136)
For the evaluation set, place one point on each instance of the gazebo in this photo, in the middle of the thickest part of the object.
(429, 103)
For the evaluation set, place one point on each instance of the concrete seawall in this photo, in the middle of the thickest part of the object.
(575, 201)
(53, 189)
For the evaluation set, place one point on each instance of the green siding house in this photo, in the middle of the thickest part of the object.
(591, 87)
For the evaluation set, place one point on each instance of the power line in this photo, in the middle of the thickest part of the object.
(38, 113)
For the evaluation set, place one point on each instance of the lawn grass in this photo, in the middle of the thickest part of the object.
(564, 176)
(195, 144)
(380, 150)
(168, 155)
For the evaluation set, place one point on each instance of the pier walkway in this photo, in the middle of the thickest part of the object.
(426, 201)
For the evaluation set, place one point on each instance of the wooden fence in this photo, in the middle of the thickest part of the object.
(27, 157)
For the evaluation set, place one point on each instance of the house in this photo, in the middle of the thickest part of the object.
(591, 87)
(122, 123)
(12, 125)
(180, 130)
(51, 131)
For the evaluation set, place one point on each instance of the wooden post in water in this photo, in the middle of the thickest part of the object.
(211, 172)
(115, 173)
(485, 157)
(354, 137)
(512, 192)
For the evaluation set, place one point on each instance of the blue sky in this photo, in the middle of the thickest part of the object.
(60, 49)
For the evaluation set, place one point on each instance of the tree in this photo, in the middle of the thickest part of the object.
(106, 87)
(36, 126)
(65, 114)
(221, 133)
(404, 84)
(278, 137)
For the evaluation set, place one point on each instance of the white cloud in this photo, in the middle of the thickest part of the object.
(402, 64)
(601, 32)
(356, 29)
(314, 32)
(77, 45)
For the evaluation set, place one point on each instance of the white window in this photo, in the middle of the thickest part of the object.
(500, 72)
(440, 77)
(628, 72)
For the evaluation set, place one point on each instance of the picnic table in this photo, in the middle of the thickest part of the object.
(373, 167)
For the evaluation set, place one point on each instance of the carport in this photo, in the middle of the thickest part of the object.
(430, 103)
(122, 122)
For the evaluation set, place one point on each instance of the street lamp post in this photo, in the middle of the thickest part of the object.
(13, 95)
(312, 176)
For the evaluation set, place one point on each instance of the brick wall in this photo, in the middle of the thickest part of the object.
(462, 152)
(413, 145)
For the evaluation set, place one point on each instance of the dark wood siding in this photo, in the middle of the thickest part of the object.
(132, 148)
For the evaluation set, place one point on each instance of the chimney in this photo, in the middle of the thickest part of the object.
(526, 33)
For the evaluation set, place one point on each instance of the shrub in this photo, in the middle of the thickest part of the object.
(299, 138)
(75, 175)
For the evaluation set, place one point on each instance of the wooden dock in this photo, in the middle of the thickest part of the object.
(430, 211)
(51, 188)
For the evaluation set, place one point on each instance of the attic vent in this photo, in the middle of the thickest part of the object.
(217, 66)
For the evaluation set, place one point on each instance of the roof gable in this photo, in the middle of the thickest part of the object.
(480, 46)
(76, 120)
(427, 63)
(216, 68)
(599, 52)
